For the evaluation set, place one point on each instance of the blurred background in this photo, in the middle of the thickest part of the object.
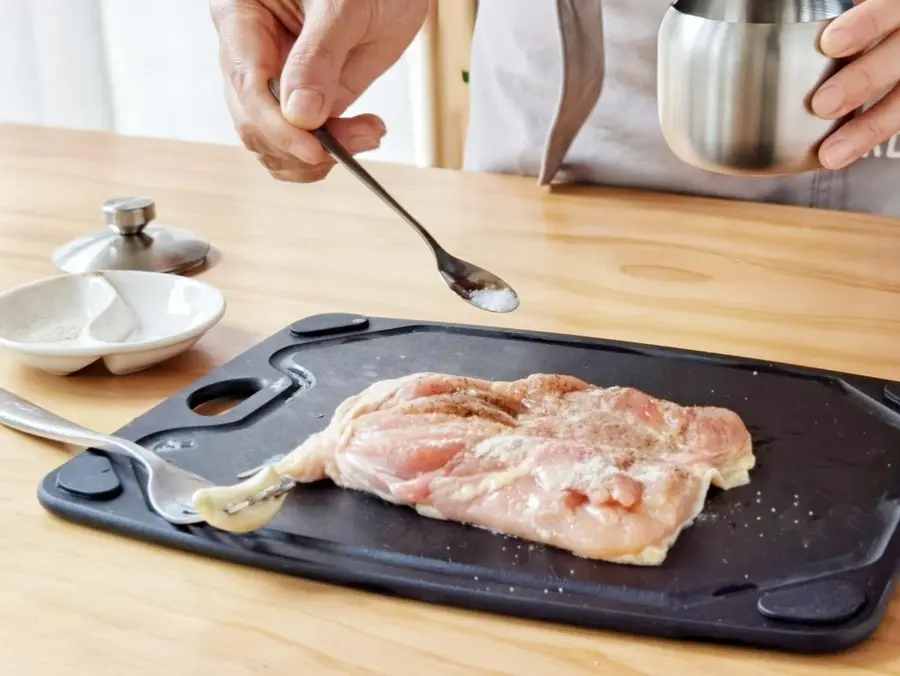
(150, 68)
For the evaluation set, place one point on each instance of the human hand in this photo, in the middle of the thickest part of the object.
(326, 53)
(871, 29)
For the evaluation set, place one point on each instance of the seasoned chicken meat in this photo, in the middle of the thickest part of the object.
(607, 473)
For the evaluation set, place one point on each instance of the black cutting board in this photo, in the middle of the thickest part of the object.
(801, 559)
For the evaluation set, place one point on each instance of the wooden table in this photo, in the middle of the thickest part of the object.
(810, 287)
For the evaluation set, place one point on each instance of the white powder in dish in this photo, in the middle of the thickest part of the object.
(58, 333)
(494, 300)
(35, 330)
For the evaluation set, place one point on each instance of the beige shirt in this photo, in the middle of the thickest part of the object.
(515, 80)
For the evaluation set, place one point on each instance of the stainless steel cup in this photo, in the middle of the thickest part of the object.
(735, 78)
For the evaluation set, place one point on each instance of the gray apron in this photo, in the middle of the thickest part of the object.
(529, 116)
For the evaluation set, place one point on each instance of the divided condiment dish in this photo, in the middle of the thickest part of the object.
(129, 319)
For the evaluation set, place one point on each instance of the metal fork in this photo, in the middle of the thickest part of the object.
(169, 488)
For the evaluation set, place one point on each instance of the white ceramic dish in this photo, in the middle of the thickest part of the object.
(130, 320)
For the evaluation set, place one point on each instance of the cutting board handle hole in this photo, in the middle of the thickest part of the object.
(219, 398)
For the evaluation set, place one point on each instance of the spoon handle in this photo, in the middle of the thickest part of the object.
(336, 150)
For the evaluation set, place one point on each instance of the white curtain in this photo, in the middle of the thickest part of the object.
(150, 68)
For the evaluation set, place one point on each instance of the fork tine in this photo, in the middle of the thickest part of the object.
(247, 473)
(276, 491)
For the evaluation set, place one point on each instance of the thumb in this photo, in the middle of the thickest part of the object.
(311, 77)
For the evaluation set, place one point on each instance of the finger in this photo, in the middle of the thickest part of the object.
(363, 132)
(365, 64)
(311, 77)
(245, 130)
(281, 163)
(860, 27)
(249, 54)
(355, 134)
(272, 132)
(304, 175)
(369, 59)
(861, 134)
(859, 81)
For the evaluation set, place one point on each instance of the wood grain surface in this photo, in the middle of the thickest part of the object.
(811, 287)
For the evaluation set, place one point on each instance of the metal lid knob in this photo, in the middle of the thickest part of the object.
(131, 242)
(128, 215)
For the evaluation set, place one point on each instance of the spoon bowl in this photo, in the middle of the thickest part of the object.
(477, 286)
(480, 288)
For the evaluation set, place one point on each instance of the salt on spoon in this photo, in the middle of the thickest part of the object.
(494, 300)
(480, 288)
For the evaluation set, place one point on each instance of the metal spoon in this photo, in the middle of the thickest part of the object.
(480, 288)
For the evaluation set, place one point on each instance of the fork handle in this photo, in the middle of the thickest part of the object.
(19, 414)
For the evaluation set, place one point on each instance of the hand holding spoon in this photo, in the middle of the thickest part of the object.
(480, 288)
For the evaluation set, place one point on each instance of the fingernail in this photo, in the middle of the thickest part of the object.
(361, 144)
(828, 100)
(304, 107)
(839, 154)
(837, 42)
